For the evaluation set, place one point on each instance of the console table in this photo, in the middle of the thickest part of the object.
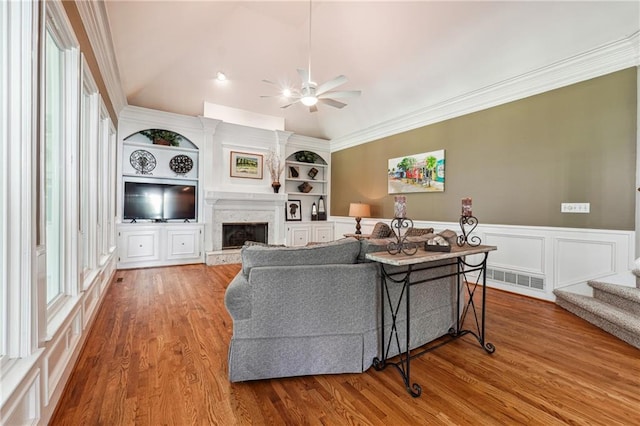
(421, 260)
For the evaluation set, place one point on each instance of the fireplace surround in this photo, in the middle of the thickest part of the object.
(226, 207)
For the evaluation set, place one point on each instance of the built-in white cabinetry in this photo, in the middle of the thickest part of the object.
(323, 232)
(159, 195)
(144, 245)
(301, 174)
(307, 174)
(298, 235)
(138, 244)
(307, 182)
(301, 234)
(183, 242)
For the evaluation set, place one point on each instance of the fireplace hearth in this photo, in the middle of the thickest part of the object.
(234, 235)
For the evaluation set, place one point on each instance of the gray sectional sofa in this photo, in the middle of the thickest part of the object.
(316, 310)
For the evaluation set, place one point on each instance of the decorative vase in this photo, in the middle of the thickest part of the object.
(276, 187)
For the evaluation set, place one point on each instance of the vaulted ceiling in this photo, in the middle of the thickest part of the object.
(404, 56)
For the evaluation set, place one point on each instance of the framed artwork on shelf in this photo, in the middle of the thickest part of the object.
(293, 210)
(416, 173)
(246, 165)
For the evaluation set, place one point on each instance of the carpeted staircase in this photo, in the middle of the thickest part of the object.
(614, 308)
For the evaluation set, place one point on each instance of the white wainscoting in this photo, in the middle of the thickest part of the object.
(38, 381)
(533, 260)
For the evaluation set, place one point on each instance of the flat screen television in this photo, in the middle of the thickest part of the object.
(159, 201)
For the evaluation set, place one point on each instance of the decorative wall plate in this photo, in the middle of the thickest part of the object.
(181, 164)
(143, 161)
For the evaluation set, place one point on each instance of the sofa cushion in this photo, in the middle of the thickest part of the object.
(344, 251)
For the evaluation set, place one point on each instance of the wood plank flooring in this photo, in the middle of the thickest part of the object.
(157, 355)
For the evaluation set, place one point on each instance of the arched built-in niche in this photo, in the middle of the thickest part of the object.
(161, 137)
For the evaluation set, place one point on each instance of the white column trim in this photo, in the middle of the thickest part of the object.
(95, 21)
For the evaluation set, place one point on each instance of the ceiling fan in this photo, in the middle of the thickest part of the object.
(310, 93)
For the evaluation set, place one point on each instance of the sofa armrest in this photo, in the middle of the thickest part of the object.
(311, 300)
(237, 298)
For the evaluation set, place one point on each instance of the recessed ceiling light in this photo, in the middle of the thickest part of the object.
(220, 76)
(286, 93)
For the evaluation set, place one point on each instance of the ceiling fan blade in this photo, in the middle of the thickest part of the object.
(332, 102)
(288, 105)
(313, 108)
(304, 75)
(331, 84)
(341, 94)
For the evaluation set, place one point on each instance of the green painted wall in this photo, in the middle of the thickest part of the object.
(518, 161)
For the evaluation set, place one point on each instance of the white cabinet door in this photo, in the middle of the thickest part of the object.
(323, 233)
(139, 245)
(298, 235)
(304, 233)
(144, 245)
(183, 243)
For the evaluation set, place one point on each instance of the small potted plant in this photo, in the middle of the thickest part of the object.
(162, 137)
(275, 166)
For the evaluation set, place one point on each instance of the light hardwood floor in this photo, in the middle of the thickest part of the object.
(157, 355)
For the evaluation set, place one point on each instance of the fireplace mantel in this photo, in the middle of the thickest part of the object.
(214, 197)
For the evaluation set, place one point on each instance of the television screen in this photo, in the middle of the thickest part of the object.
(157, 201)
(179, 202)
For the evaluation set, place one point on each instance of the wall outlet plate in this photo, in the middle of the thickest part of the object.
(575, 207)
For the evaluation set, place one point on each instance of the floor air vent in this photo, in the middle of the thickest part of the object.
(514, 278)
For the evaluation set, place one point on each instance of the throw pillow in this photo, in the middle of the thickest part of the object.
(381, 230)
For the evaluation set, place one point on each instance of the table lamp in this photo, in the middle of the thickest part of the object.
(359, 210)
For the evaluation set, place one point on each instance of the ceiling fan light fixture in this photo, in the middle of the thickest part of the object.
(309, 100)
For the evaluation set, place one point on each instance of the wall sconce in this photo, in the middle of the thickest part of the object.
(359, 210)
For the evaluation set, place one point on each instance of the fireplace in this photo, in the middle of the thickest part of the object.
(241, 208)
(234, 235)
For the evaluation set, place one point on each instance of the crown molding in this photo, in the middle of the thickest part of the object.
(611, 57)
(95, 21)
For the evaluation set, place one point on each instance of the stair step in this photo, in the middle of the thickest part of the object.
(627, 298)
(619, 322)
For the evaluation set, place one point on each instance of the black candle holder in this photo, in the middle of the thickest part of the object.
(466, 238)
(401, 245)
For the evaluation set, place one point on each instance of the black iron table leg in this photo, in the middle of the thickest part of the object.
(465, 268)
(403, 365)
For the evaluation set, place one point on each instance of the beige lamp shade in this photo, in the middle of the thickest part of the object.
(359, 210)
